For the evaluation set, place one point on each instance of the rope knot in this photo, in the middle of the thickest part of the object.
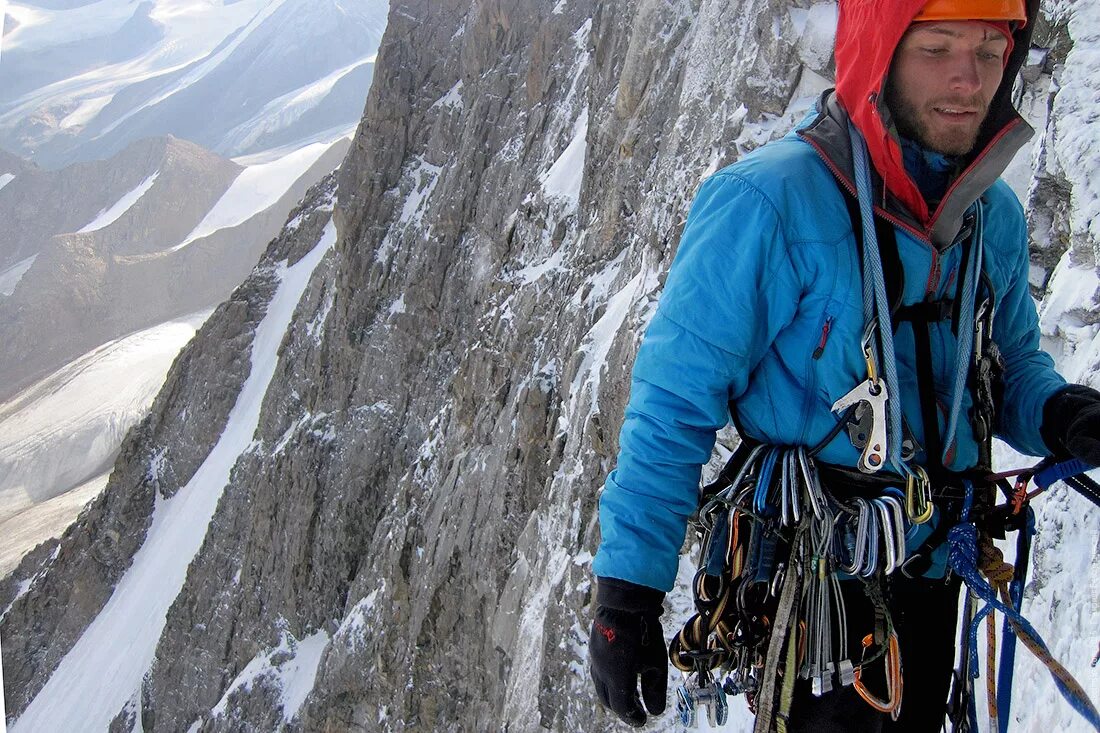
(993, 565)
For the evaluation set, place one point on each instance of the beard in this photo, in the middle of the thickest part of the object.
(920, 124)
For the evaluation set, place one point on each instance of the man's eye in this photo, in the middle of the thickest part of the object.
(989, 56)
(935, 51)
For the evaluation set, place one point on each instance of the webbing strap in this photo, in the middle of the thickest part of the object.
(786, 694)
(784, 614)
(933, 447)
(888, 249)
(926, 310)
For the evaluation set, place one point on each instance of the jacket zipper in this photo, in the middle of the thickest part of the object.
(825, 330)
(932, 285)
(922, 236)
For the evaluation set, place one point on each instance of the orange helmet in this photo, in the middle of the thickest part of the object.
(1011, 10)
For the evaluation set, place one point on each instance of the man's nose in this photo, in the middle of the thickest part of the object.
(965, 77)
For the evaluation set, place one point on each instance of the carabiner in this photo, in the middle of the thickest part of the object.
(918, 495)
(892, 704)
(867, 343)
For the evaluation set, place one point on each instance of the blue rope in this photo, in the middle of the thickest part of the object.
(963, 557)
(876, 306)
(1008, 645)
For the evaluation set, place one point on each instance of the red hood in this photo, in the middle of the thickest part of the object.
(867, 33)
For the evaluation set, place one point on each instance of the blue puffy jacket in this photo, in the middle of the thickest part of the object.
(763, 307)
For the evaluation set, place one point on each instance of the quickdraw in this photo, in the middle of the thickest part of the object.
(892, 705)
(767, 592)
(769, 607)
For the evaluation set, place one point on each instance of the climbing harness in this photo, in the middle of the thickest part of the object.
(776, 543)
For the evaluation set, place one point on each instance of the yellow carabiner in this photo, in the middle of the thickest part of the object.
(918, 496)
(868, 352)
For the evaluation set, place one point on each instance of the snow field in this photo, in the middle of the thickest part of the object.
(10, 277)
(564, 177)
(285, 110)
(254, 190)
(34, 525)
(104, 669)
(192, 30)
(67, 427)
(111, 214)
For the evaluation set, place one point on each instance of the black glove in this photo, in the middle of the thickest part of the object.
(627, 641)
(1071, 424)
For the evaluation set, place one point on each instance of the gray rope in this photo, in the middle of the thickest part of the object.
(876, 311)
(966, 329)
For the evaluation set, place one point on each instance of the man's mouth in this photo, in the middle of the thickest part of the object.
(962, 111)
(959, 112)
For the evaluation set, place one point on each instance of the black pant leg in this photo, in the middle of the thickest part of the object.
(842, 710)
(925, 614)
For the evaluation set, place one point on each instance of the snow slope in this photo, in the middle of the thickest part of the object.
(291, 666)
(79, 83)
(109, 215)
(255, 189)
(24, 531)
(66, 428)
(10, 277)
(105, 667)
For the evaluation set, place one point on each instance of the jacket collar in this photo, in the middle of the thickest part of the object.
(827, 132)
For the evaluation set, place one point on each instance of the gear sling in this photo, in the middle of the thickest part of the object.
(780, 533)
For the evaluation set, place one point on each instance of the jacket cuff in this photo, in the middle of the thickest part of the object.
(1060, 410)
(622, 595)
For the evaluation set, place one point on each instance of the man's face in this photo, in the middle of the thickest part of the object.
(942, 78)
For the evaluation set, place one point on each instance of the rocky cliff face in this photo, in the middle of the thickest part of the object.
(406, 534)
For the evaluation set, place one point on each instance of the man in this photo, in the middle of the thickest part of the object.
(764, 311)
